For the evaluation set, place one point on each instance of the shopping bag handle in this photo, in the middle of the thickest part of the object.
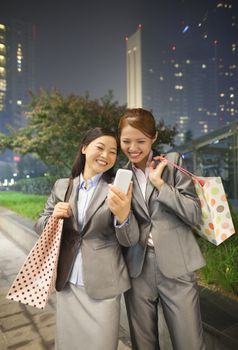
(69, 190)
(183, 170)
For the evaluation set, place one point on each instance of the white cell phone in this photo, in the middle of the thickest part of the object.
(122, 179)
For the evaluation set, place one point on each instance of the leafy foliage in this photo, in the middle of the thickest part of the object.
(56, 125)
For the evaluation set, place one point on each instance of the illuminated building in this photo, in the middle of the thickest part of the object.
(16, 70)
(3, 80)
(193, 81)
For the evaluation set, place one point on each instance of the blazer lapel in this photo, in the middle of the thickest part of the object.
(73, 198)
(97, 199)
(149, 190)
(137, 194)
(149, 187)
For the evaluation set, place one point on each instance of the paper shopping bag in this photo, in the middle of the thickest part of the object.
(217, 223)
(36, 279)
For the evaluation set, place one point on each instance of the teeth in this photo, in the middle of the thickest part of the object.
(101, 162)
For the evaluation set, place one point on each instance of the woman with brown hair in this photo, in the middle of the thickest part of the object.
(162, 263)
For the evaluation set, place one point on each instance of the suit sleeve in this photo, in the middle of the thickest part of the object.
(181, 198)
(128, 234)
(47, 212)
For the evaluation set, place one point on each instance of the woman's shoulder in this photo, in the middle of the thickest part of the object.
(173, 156)
(61, 184)
(62, 181)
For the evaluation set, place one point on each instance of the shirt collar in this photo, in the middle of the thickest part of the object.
(91, 182)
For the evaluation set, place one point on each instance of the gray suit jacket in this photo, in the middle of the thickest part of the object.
(104, 269)
(168, 215)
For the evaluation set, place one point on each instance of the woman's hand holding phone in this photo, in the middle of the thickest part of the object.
(119, 201)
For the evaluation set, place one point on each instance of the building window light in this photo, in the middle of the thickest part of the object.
(2, 26)
(19, 58)
(2, 48)
(2, 59)
(178, 87)
(3, 84)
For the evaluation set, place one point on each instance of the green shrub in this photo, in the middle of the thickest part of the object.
(36, 185)
(222, 261)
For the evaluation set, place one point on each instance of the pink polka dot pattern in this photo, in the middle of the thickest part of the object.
(36, 279)
(217, 223)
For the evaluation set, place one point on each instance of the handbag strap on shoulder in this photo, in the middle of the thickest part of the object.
(69, 190)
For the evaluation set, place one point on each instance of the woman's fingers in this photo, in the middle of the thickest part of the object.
(119, 202)
(62, 210)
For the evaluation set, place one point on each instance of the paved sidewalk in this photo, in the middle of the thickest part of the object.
(24, 327)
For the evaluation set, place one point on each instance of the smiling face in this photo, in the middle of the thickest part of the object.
(135, 145)
(100, 156)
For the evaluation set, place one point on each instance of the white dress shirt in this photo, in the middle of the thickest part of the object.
(142, 178)
(84, 196)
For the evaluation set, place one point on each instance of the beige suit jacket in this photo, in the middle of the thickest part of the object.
(104, 270)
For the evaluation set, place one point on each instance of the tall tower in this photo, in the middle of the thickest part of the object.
(143, 71)
(134, 70)
(16, 70)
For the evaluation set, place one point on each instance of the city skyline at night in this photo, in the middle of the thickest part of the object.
(81, 49)
(193, 81)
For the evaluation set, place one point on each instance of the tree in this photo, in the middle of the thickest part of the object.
(56, 125)
(166, 134)
(188, 136)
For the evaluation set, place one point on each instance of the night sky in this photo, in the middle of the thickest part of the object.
(80, 45)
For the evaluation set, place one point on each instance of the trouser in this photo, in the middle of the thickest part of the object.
(180, 303)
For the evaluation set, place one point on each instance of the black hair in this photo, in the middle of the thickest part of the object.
(91, 135)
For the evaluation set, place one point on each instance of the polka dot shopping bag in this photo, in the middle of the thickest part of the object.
(37, 277)
(216, 225)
